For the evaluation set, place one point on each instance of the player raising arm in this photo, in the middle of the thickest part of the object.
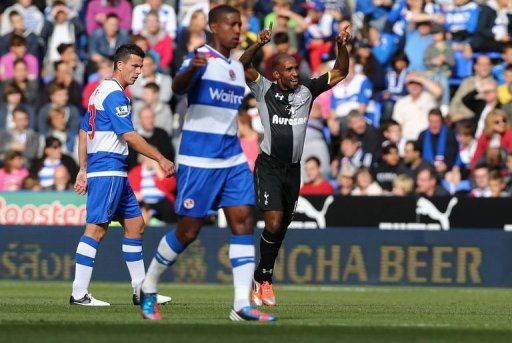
(105, 133)
(284, 108)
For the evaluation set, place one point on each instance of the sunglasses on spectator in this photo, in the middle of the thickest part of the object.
(499, 121)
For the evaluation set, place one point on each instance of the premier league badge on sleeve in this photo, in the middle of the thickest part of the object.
(232, 75)
(123, 111)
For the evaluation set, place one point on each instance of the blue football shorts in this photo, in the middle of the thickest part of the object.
(201, 190)
(110, 198)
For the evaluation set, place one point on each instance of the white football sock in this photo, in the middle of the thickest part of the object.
(241, 255)
(132, 252)
(85, 256)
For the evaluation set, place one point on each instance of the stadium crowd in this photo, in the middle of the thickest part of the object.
(426, 107)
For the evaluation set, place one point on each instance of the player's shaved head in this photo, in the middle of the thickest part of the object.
(281, 59)
(124, 52)
(217, 14)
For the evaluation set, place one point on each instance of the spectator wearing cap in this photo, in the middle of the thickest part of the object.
(413, 160)
(166, 17)
(496, 134)
(438, 142)
(403, 186)
(389, 167)
(481, 182)
(365, 185)
(58, 99)
(345, 180)
(416, 43)
(426, 184)
(317, 184)
(14, 99)
(367, 134)
(493, 27)
(105, 40)
(318, 33)
(481, 102)
(99, 10)
(32, 16)
(13, 172)
(439, 60)
(411, 111)
(17, 24)
(395, 84)
(483, 69)
(18, 50)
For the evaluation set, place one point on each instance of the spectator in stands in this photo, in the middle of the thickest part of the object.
(454, 183)
(508, 172)
(497, 184)
(493, 27)
(13, 172)
(18, 50)
(395, 84)
(64, 75)
(159, 40)
(21, 137)
(403, 186)
(69, 56)
(417, 42)
(30, 88)
(315, 142)
(58, 99)
(352, 154)
(14, 99)
(57, 128)
(166, 15)
(458, 110)
(426, 183)
(197, 26)
(32, 16)
(318, 33)
(365, 184)
(61, 179)
(105, 67)
(104, 42)
(392, 133)
(151, 75)
(369, 66)
(438, 142)
(98, 10)
(60, 28)
(505, 90)
(162, 111)
(461, 19)
(285, 20)
(248, 138)
(481, 181)
(384, 45)
(411, 111)
(143, 43)
(439, 61)
(34, 47)
(345, 180)
(53, 157)
(496, 134)
(152, 187)
(153, 135)
(389, 167)
(316, 185)
(367, 134)
(495, 158)
(354, 93)
(467, 143)
(282, 43)
(498, 71)
(413, 159)
(481, 102)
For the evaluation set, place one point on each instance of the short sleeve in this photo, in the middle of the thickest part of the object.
(118, 109)
(319, 85)
(84, 124)
(260, 86)
(366, 92)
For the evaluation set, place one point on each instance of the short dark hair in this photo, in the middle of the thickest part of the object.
(435, 112)
(314, 159)
(400, 56)
(507, 45)
(281, 38)
(508, 67)
(14, 13)
(466, 127)
(217, 13)
(18, 40)
(12, 88)
(19, 60)
(54, 87)
(430, 169)
(495, 175)
(481, 165)
(124, 52)
(415, 146)
(50, 140)
(19, 109)
(278, 58)
(153, 86)
(112, 15)
(56, 64)
(386, 149)
(350, 136)
(64, 46)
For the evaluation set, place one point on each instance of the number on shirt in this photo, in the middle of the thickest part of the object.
(92, 118)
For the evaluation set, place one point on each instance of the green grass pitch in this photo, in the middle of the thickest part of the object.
(39, 312)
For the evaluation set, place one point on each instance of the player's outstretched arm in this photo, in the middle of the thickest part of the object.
(340, 69)
(251, 74)
(81, 178)
(139, 144)
(182, 81)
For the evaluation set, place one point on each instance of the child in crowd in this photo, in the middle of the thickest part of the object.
(13, 172)
(365, 184)
(497, 184)
(403, 185)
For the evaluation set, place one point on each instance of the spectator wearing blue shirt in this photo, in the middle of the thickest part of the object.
(498, 71)
(461, 19)
(384, 45)
(395, 84)
(104, 42)
(416, 43)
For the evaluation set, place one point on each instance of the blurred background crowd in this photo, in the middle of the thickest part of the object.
(425, 109)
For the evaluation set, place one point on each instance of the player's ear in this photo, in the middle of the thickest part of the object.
(213, 27)
(275, 74)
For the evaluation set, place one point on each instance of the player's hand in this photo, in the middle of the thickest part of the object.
(344, 36)
(264, 36)
(198, 61)
(81, 182)
(167, 166)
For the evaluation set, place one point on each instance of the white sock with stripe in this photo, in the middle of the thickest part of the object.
(132, 252)
(85, 256)
(241, 255)
(168, 250)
